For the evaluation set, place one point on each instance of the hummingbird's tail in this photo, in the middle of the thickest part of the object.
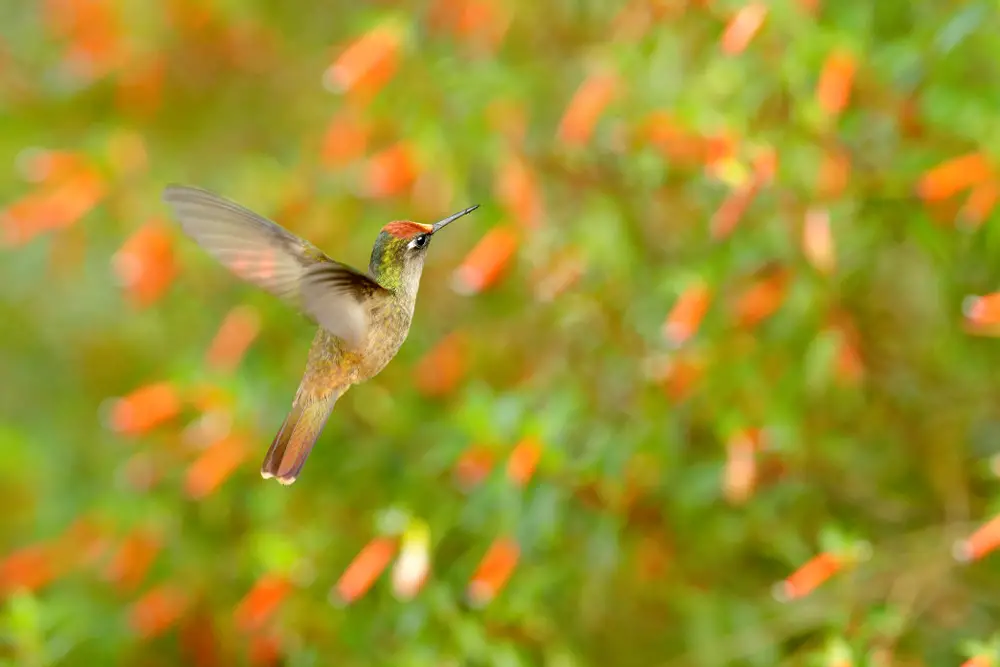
(291, 446)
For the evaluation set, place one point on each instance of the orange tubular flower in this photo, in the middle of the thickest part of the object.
(586, 108)
(486, 262)
(742, 27)
(809, 577)
(366, 567)
(685, 317)
(261, 602)
(493, 571)
(523, 460)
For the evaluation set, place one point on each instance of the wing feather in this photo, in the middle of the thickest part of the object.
(264, 254)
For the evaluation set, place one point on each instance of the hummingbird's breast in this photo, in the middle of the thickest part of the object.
(388, 327)
(332, 364)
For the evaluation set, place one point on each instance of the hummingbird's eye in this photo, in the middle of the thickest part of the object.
(419, 241)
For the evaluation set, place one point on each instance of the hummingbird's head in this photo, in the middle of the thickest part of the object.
(401, 247)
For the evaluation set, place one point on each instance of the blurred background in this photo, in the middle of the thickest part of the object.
(709, 378)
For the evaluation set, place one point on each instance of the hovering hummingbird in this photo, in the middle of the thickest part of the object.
(363, 317)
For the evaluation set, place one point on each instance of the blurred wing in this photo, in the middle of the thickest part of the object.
(338, 297)
(266, 255)
(251, 246)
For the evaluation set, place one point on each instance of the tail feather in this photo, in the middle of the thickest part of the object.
(294, 441)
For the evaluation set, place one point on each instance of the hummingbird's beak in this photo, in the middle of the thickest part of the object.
(451, 218)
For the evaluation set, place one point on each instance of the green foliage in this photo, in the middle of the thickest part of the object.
(878, 411)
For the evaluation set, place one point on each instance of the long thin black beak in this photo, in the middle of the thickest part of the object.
(451, 218)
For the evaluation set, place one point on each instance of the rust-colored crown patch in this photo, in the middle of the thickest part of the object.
(404, 229)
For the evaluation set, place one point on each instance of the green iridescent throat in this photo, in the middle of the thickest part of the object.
(388, 258)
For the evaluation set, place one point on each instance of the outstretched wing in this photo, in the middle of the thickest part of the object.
(265, 254)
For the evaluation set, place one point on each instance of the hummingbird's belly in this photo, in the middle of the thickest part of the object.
(385, 336)
(332, 365)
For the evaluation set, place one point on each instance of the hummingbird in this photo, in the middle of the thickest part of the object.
(363, 318)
